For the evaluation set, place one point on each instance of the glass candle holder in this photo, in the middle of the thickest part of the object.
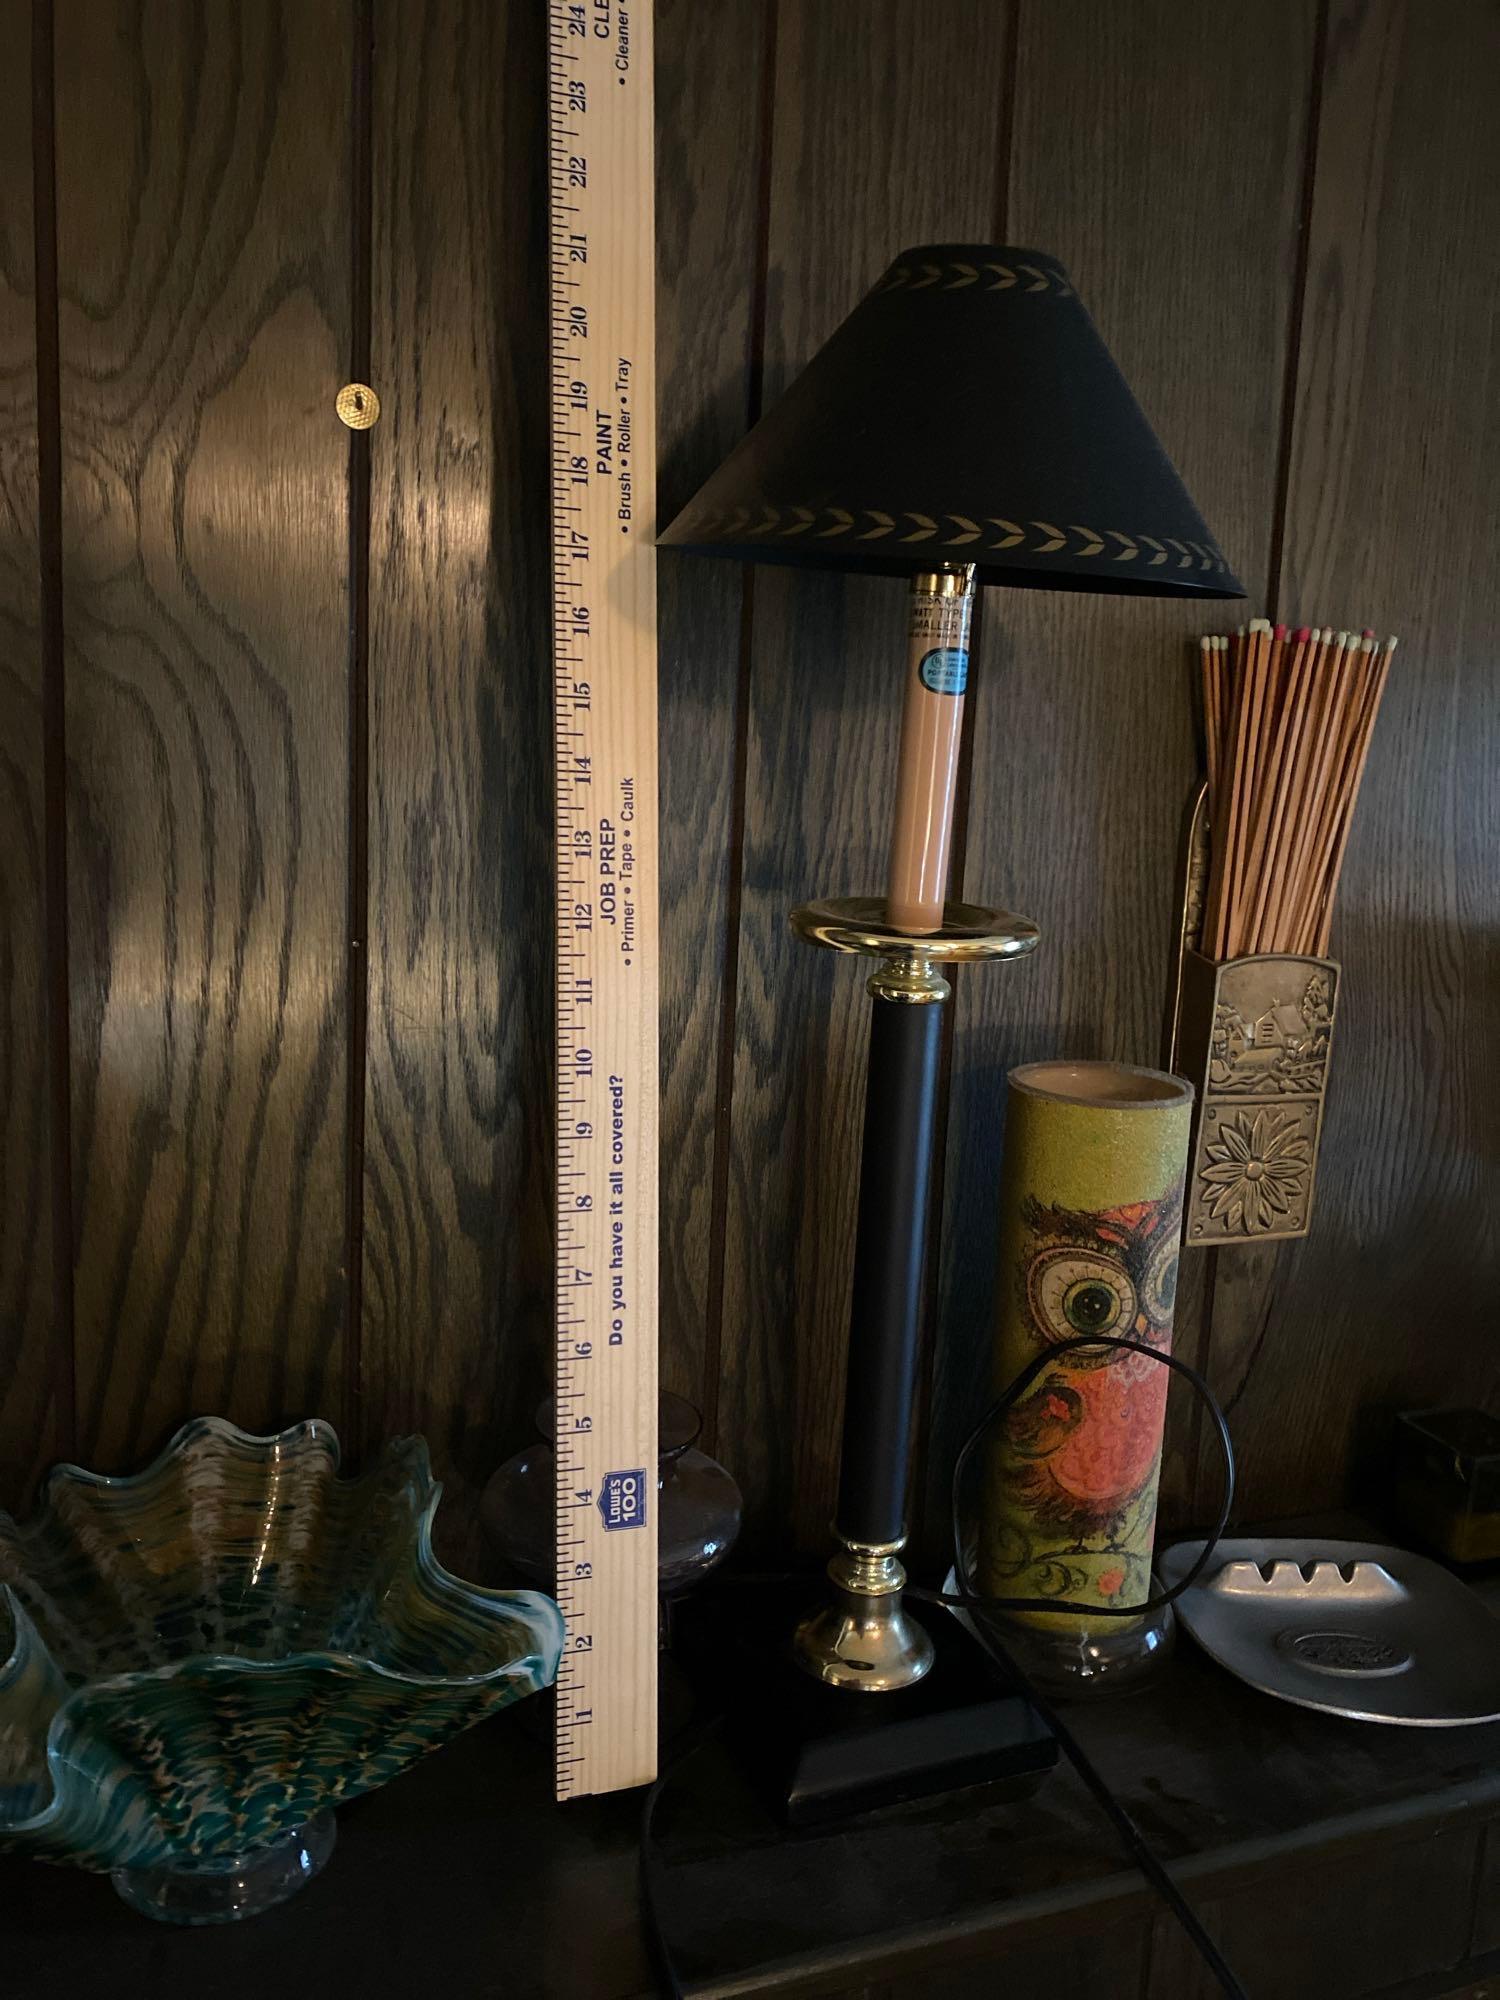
(698, 1504)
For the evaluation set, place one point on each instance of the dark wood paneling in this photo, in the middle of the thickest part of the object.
(1183, 247)
(458, 1268)
(710, 117)
(28, 1436)
(877, 143)
(1373, 1919)
(203, 268)
(1390, 517)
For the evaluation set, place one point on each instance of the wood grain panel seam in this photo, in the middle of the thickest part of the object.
(1006, 126)
(724, 1067)
(1294, 331)
(54, 716)
(361, 227)
(1203, 1480)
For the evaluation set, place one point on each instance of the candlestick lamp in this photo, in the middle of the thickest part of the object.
(965, 423)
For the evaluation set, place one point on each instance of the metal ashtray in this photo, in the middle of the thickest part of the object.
(1353, 1628)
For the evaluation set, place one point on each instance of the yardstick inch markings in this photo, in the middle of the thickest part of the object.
(603, 398)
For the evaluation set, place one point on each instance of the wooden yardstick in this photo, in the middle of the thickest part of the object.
(603, 404)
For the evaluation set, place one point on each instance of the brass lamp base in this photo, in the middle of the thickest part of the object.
(864, 1638)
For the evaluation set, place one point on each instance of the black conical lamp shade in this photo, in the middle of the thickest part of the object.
(967, 411)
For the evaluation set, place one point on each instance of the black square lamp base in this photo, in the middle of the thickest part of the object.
(818, 1753)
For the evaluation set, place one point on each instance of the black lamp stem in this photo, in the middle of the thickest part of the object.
(890, 1250)
(863, 1638)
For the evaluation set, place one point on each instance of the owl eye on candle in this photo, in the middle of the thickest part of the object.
(1079, 1291)
(1159, 1286)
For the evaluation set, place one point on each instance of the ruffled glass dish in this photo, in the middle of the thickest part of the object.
(200, 1662)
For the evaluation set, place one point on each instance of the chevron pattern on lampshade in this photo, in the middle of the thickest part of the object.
(966, 411)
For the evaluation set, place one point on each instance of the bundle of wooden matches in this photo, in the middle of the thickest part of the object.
(1288, 718)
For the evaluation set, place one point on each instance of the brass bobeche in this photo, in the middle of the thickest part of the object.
(909, 973)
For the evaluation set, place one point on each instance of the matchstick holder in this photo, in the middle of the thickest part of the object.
(1254, 1035)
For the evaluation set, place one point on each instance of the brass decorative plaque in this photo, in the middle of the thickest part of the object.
(1256, 1038)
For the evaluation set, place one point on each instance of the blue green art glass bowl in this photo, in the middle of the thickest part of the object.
(199, 1662)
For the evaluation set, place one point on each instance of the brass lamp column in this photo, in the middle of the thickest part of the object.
(864, 1638)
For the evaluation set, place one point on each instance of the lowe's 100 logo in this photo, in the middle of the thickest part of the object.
(622, 1499)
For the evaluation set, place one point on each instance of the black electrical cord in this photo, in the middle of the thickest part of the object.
(650, 1860)
(1133, 1840)
(967, 1598)
(1037, 1366)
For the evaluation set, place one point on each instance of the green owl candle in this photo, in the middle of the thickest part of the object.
(1090, 1219)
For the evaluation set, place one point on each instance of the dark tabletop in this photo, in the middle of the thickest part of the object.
(463, 1879)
